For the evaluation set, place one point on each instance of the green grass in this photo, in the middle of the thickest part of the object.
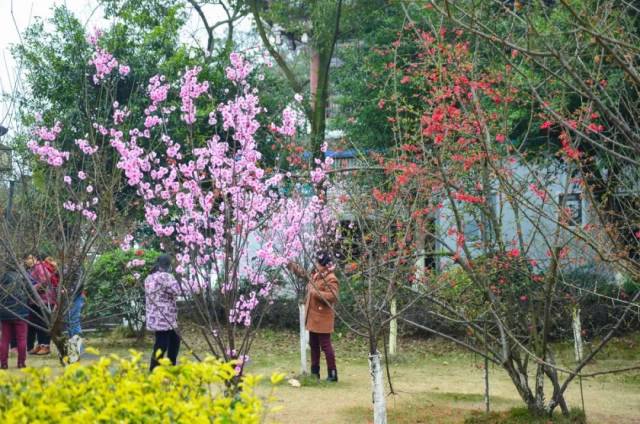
(435, 381)
(523, 416)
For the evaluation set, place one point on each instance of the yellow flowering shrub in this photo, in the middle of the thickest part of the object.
(117, 390)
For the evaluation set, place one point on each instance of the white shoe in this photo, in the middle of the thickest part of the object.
(80, 347)
(73, 350)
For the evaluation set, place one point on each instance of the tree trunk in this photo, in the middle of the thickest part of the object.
(60, 340)
(393, 328)
(304, 338)
(377, 381)
(539, 388)
(319, 81)
(487, 404)
(520, 381)
(577, 334)
(577, 345)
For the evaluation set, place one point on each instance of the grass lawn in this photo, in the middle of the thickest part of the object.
(434, 382)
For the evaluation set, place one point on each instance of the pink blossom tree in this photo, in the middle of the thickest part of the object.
(211, 202)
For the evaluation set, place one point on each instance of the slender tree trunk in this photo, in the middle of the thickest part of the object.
(539, 388)
(577, 344)
(377, 381)
(59, 339)
(304, 338)
(487, 404)
(393, 328)
(487, 400)
(577, 334)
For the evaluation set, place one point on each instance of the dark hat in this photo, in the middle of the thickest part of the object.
(324, 258)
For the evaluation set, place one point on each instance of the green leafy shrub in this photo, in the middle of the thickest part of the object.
(122, 390)
(115, 287)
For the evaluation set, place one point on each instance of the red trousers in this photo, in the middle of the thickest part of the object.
(322, 341)
(13, 329)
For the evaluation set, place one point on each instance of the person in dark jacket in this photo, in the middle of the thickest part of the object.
(13, 313)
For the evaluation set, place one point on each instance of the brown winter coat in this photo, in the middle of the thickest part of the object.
(322, 295)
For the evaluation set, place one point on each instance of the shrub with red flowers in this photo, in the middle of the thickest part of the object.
(488, 208)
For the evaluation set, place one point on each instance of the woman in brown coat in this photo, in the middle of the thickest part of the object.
(322, 295)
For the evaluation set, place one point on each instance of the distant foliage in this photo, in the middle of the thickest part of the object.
(115, 287)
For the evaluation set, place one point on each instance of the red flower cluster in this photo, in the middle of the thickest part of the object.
(469, 198)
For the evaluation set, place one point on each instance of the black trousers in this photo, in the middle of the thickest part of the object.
(167, 343)
(35, 333)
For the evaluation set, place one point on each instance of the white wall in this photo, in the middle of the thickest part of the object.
(538, 223)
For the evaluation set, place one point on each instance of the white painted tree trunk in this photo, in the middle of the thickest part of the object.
(304, 338)
(577, 334)
(393, 328)
(377, 381)
(577, 346)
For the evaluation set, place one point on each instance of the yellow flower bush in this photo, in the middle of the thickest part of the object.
(117, 390)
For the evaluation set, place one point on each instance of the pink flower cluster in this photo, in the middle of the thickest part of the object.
(136, 263)
(119, 115)
(104, 63)
(124, 70)
(289, 120)
(239, 69)
(297, 224)
(320, 172)
(86, 148)
(46, 152)
(190, 90)
(157, 90)
(89, 214)
(241, 313)
(93, 37)
(83, 209)
(57, 158)
(126, 242)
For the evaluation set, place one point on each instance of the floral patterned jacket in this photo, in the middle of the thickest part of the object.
(161, 290)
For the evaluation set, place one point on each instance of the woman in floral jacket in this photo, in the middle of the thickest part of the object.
(161, 291)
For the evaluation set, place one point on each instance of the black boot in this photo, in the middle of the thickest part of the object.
(333, 376)
(315, 371)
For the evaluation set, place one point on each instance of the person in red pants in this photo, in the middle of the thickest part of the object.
(13, 312)
(322, 295)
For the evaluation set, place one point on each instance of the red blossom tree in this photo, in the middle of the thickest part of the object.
(502, 215)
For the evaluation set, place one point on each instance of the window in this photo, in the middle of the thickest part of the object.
(571, 205)
(430, 245)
